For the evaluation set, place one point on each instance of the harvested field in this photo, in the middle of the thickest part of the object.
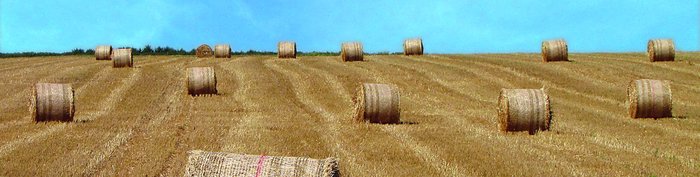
(141, 121)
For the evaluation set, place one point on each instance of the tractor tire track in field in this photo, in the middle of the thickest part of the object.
(330, 120)
(121, 143)
(395, 131)
(602, 65)
(17, 63)
(676, 82)
(27, 92)
(603, 61)
(63, 67)
(11, 146)
(302, 108)
(436, 78)
(107, 105)
(424, 153)
(98, 76)
(544, 83)
(8, 63)
(609, 141)
(626, 145)
(303, 104)
(169, 165)
(269, 119)
(635, 60)
(117, 94)
(474, 129)
(126, 84)
(574, 74)
(24, 66)
(27, 119)
(620, 87)
(42, 78)
(534, 78)
(615, 66)
(241, 97)
(175, 162)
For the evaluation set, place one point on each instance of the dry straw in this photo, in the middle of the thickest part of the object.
(351, 51)
(204, 51)
(649, 98)
(201, 80)
(287, 49)
(378, 103)
(122, 58)
(413, 46)
(661, 50)
(103, 52)
(524, 110)
(555, 50)
(201, 163)
(52, 102)
(222, 51)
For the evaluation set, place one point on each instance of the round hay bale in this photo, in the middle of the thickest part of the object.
(351, 51)
(122, 58)
(222, 51)
(524, 110)
(287, 49)
(378, 103)
(103, 52)
(204, 51)
(201, 80)
(661, 50)
(413, 46)
(649, 98)
(555, 50)
(52, 102)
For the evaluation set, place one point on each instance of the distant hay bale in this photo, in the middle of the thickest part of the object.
(413, 46)
(122, 58)
(649, 98)
(201, 80)
(201, 163)
(524, 110)
(204, 51)
(661, 50)
(378, 103)
(222, 51)
(52, 102)
(287, 49)
(555, 50)
(351, 51)
(103, 52)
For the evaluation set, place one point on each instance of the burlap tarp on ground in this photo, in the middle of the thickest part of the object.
(201, 163)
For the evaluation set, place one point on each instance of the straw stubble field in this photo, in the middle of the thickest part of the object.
(140, 121)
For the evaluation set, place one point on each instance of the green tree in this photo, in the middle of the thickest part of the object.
(147, 50)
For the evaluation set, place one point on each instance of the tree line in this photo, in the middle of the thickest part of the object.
(146, 50)
(150, 50)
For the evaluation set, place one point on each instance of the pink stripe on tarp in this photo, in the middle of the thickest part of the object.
(260, 165)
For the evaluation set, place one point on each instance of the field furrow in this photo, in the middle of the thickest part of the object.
(140, 121)
(272, 122)
(542, 153)
(126, 78)
(616, 129)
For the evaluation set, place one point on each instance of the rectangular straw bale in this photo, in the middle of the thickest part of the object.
(201, 163)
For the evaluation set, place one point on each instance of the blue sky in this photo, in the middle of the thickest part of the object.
(446, 26)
